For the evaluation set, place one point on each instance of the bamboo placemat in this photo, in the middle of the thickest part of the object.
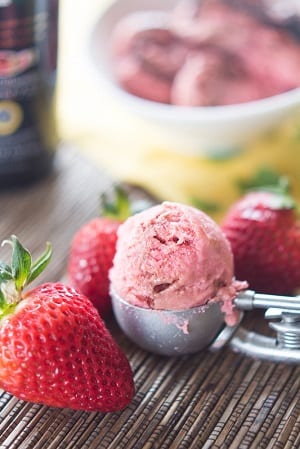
(207, 400)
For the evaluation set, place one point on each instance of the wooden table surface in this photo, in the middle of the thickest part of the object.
(207, 400)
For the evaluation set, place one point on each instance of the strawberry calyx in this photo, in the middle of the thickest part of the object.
(281, 200)
(116, 206)
(265, 178)
(280, 191)
(22, 271)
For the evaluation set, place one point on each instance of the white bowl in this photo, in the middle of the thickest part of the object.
(200, 130)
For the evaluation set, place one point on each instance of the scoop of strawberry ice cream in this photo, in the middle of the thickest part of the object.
(273, 57)
(211, 21)
(146, 55)
(270, 55)
(210, 77)
(206, 53)
(174, 257)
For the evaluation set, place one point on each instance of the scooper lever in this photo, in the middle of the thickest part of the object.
(285, 347)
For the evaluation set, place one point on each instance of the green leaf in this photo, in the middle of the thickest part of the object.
(268, 180)
(21, 272)
(5, 272)
(21, 263)
(281, 201)
(205, 206)
(116, 206)
(40, 264)
(2, 301)
(265, 179)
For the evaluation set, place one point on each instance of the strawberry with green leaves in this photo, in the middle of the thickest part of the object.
(93, 248)
(263, 228)
(54, 347)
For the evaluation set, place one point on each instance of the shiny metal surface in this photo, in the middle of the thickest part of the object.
(179, 332)
(249, 300)
(262, 347)
(285, 310)
(169, 332)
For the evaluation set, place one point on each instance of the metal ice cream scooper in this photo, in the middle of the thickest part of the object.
(179, 332)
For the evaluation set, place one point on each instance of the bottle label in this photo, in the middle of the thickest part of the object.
(11, 116)
(28, 47)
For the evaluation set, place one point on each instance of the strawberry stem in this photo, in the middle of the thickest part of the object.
(22, 271)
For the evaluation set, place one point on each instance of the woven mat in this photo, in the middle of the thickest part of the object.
(208, 400)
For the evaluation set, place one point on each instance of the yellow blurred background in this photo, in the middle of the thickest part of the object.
(131, 151)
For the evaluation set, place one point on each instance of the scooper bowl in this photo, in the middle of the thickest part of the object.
(169, 332)
(180, 332)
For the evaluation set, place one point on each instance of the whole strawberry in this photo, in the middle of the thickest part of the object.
(264, 231)
(55, 349)
(93, 249)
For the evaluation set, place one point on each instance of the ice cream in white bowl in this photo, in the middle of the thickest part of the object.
(199, 129)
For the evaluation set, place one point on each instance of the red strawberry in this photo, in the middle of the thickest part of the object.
(264, 232)
(93, 249)
(91, 255)
(55, 349)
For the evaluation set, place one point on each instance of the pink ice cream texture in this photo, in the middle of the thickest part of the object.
(173, 257)
(206, 53)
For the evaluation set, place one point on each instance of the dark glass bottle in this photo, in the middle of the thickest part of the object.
(28, 61)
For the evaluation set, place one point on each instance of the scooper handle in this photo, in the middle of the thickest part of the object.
(249, 300)
(285, 347)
